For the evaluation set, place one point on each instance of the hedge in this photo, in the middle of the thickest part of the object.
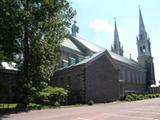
(134, 97)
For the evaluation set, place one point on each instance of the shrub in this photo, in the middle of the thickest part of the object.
(157, 95)
(54, 96)
(134, 97)
(57, 104)
(90, 102)
(141, 97)
(130, 97)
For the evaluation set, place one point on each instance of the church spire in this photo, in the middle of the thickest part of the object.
(142, 30)
(143, 41)
(116, 48)
(144, 51)
(116, 37)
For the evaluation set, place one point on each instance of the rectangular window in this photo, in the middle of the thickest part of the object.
(129, 76)
(137, 78)
(123, 76)
(133, 77)
(69, 81)
(126, 75)
(140, 78)
(61, 81)
(119, 75)
(144, 78)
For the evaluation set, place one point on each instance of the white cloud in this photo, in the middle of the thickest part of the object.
(101, 25)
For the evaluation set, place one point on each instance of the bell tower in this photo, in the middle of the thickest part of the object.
(144, 51)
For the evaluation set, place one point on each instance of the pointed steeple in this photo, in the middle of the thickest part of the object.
(143, 40)
(116, 36)
(144, 51)
(142, 30)
(116, 48)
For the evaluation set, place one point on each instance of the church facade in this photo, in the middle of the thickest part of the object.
(95, 73)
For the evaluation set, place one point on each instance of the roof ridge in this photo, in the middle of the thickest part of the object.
(91, 42)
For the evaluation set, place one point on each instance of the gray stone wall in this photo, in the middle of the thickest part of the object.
(134, 78)
(102, 81)
(72, 79)
(96, 80)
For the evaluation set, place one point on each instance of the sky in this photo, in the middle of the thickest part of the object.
(95, 19)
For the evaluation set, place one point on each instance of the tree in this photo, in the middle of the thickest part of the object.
(9, 29)
(43, 26)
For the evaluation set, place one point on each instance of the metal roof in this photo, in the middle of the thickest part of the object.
(93, 47)
(125, 60)
(69, 44)
(86, 60)
(98, 50)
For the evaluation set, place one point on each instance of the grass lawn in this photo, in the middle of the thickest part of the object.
(14, 105)
(8, 106)
(30, 106)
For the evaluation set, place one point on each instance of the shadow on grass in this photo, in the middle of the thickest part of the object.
(5, 112)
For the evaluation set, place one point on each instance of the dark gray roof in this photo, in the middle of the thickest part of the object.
(86, 60)
(125, 60)
(98, 50)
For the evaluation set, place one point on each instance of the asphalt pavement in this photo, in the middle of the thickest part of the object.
(138, 110)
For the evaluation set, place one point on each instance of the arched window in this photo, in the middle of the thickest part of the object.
(143, 49)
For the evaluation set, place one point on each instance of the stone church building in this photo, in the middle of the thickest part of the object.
(98, 74)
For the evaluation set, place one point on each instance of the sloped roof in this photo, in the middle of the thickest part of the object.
(125, 60)
(117, 57)
(98, 50)
(91, 58)
(69, 44)
(93, 47)
(86, 60)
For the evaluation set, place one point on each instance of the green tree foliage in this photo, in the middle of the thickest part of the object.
(9, 28)
(53, 96)
(30, 34)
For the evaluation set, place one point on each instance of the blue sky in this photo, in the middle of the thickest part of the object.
(95, 19)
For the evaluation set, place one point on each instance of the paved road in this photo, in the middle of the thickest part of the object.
(139, 110)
